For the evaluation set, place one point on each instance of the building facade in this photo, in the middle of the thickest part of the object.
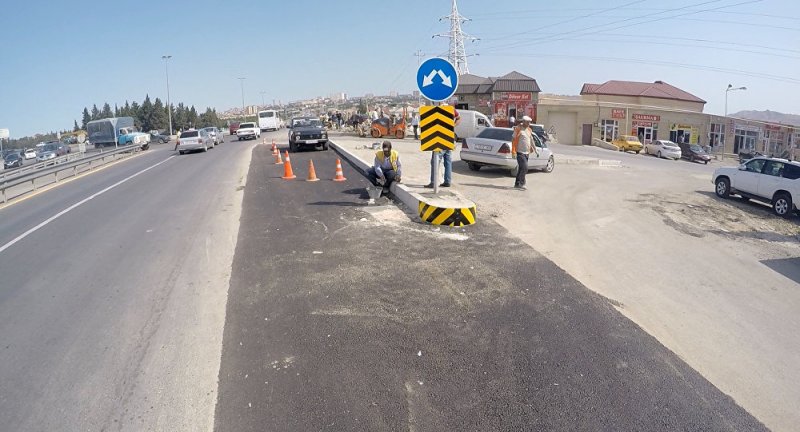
(511, 95)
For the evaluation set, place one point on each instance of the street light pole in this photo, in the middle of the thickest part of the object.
(241, 81)
(730, 88)
(263, 103)
(419, 55)
(169, 105)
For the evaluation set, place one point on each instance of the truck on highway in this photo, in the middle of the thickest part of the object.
(110, 132)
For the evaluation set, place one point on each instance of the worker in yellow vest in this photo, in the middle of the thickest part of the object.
(386, 167)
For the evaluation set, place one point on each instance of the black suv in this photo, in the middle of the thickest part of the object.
(307, 132)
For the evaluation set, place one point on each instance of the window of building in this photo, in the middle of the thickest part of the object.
(609, 130)
(717, 136)
(744, 140)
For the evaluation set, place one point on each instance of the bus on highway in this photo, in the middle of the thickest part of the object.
(269, 120)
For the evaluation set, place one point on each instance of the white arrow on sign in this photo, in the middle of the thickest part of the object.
(428, 79)
(445, 79)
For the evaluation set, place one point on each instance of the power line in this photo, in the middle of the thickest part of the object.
(583, 33)
(657, 62)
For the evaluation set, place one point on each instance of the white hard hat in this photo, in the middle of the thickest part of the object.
(527, 119)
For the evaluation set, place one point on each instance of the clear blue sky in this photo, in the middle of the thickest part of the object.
(58, 57)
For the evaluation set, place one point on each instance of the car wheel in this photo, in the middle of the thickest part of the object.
(723, 188)
(180, 152)
(637, 151)
(205, 148)
(551, 164)
(659, 154)
(473, 166)
(706, 162)
(292, 147)
(325, 146)
(782, 205)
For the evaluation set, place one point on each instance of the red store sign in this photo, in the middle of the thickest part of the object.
(515, 96)
(647, 117)
(618, 113)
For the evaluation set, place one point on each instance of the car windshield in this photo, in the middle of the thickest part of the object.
(190, 134)
(630, 138)
(696, 148)
(500, 134)
(669, 144)
(266, 114)
(307, 123)
(247, 125)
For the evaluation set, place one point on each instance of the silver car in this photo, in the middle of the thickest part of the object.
(492, 148)
(192, 140)
(215, 134)
(663, 148)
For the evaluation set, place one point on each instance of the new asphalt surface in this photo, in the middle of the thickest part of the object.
(348, 317)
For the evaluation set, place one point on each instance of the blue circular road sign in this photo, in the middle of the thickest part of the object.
(437, 79)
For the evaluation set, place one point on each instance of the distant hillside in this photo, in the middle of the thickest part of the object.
(770, 116)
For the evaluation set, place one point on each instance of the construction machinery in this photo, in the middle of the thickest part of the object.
(389, 127)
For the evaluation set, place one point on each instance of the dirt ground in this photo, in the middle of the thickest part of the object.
(714, 280)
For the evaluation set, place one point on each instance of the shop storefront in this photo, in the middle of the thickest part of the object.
(645, 126)
(745, 138)
(684, 133)
(513, 104)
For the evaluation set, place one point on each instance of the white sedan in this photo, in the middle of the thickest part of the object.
(29, 153)
(663, 149)
(492, 147)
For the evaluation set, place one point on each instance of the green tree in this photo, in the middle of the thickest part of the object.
(95, 112)
(146, 113)
(179, 120)
(135, 114)
(208, 118)
(75, 128)
(116, 111)
(106, 113)
(86, 118)
(158, 119)
(191, 117)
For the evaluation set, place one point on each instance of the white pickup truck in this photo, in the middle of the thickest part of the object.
(247, 131)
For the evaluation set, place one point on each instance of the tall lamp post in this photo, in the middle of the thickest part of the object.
(263, 103)
(241, 81)
(730, 89)
(169, 105)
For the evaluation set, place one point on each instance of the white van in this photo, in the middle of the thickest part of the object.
(470, 124)
(268, 120)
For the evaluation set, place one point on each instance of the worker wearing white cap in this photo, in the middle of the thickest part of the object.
(522, 145)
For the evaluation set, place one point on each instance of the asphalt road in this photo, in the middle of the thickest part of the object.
(113, 293)
(342, 316)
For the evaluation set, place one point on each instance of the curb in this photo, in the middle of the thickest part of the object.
(427, 209)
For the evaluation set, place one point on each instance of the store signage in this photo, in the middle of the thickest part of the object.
(772, 127)
(618, 113)
(515, 96)
(642, 124)
(647, 117)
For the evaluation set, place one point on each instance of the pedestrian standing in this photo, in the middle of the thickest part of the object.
(415, 124)
(512, 121)
(522, 145)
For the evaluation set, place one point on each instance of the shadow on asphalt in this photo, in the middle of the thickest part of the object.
(788, 267)
(756, 207)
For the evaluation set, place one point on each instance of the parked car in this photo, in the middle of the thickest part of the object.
(627, 143)
(63, 149)
(492, 148)
(29, 153)
(694, 152)
(248, 130)
(156, 136)
(12, 160)
(216, 134)
(307, 132)
(192, 140)
(663, 148)
(770, 180)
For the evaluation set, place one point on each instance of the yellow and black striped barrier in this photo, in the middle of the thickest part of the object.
(437, 128)
(446, 216)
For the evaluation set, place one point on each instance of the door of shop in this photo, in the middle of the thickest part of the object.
(646, 134)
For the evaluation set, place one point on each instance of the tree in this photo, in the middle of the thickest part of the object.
(95, 112)
(116, 111)
(179, 120)
(208, 118)
(86, 118)
(126, 110)
(75, 128)
(135, 114)
(146, 114)
(158, 118)
(106, 113)
(191, 117)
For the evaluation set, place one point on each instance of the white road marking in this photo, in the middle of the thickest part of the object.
(76, 205)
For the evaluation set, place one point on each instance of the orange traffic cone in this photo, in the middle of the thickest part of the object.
(312, 173)
(277, 155)
(339, 173)
(287, 169)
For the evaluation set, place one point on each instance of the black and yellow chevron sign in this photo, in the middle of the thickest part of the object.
(446, 216)
(437, 128)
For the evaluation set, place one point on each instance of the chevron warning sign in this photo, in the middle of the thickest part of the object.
(437, 128)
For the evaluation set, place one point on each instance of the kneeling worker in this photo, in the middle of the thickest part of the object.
(386, 167)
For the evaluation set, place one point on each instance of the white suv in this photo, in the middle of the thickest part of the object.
(770, 180)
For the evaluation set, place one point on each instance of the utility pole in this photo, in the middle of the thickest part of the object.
(419, 54)
(241, 81)
(263, 104)
(457, 54)
(169, 106)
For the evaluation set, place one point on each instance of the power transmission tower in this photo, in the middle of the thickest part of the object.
(457, 54)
